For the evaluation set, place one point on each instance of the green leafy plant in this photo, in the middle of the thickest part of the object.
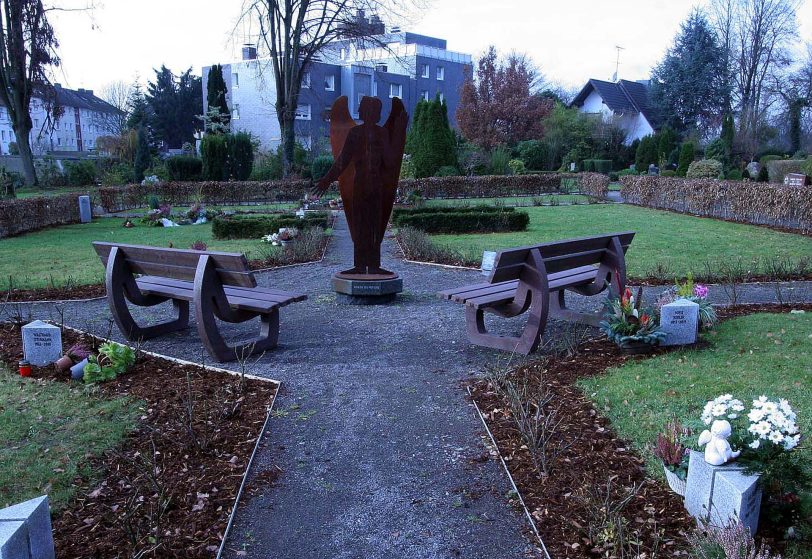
(113, 359)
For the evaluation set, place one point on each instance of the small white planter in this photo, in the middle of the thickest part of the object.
(676, 484)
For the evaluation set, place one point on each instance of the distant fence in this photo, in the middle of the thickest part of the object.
(749, 202)
(120, 198)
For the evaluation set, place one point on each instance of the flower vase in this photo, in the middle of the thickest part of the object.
(633, 347)
(676, 484)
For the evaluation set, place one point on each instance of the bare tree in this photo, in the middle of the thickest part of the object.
(117, 94)
(27, 50)
(795, 91)
(296, 33)
(757, 33)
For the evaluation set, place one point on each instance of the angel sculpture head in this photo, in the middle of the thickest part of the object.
(718, 451)
(367, 167)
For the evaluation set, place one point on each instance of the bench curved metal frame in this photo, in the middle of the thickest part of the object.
(535, 279)
(219, 284)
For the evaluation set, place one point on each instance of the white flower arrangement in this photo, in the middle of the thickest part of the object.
(773, 422)
(722, 407)
(151, 180)
(272, 239)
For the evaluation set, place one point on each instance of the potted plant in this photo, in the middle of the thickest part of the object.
(674, 455)
(74, 355)
(632, 329)
(287, 235)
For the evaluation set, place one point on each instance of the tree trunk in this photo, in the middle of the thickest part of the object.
(287, 123)
(24, 145)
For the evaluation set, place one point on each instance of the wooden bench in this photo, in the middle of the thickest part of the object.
(535, 278)
(218, 283)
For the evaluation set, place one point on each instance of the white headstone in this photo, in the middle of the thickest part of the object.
(42, 343)
(25, 530)
(721, 495)
(85, 213)
(680, 322)
(488, 261)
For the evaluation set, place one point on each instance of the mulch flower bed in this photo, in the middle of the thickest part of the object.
(569, 505)
(168, 489)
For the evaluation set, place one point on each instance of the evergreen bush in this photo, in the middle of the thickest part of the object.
(320, 166)
(705, 169)
(80, 173)
(240, 155)
(687, 153)
(466, 222)
(257, 226)
(214, 150)
(184, 168)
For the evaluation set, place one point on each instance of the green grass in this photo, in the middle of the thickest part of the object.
(509, 201)
(35, 192)
(665, 241)
(178, 210)
(47, 431)
(769, 354)
(63, 255)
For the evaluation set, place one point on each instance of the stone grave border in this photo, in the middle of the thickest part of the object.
(509, 476)
(260, 435)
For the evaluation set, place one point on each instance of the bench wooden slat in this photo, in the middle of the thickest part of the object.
(559, 278)
(187, 294)
(180, 263)
(260, 293)
(505, 296)
(507, 286)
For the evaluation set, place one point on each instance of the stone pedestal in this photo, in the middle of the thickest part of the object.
(25, 531)
(374, 291)
(721, 495)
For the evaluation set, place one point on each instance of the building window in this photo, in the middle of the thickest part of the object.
(36, 123)
(236, 80)
(3, 134)
(425, 71)
(440, 73)
(304, 141)
(441, 96)
(303, 112)
(395, 90)
(343, 54)
(59, 141)
(306, 80)
(425, 94)
(235, 112)
(329, 83)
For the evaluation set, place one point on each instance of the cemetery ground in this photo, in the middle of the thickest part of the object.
(60, 262)
(667, 245)
(151, 460)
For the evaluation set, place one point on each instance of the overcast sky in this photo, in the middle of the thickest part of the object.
(571, 40)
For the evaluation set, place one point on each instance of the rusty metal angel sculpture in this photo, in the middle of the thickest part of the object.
(367, 166)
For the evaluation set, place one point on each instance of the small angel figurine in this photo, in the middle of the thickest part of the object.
(718, 451)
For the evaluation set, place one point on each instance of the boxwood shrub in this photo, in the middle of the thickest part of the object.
(398, 213)
(184, 168)
(460, 222)
(257, 226)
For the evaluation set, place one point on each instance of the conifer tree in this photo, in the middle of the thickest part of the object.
(216, 92)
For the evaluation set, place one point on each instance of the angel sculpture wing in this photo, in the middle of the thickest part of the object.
(396, 128)
(341, 123)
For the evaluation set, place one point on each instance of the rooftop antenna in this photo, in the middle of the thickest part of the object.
(617, 62)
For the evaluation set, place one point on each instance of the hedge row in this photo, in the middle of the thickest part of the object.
(176, 193)
(398, 213)
(29, 214)
(748, 202)
(593, 184)
(114, 199)
(777, 170)
(257, 226)
(466, 222)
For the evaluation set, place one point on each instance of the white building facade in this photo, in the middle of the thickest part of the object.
(624, 102)
(84, 119)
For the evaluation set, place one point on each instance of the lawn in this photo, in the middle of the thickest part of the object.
(63, 255)
(750, 356)
(48, 430)
(667, 244)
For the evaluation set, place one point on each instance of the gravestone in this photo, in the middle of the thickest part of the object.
(720, 495)
(488, 261)
(42, 343)
(753, 168)
(85, 212)
(796, 179)
(680, 322)
(25, 531)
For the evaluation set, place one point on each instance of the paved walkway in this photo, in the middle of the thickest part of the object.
(379, 450)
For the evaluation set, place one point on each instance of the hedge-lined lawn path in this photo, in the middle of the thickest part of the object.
(374, 448)
(667, 244)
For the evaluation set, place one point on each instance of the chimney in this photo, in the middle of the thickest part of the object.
(249, 52)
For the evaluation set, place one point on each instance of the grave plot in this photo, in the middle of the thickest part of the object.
(148, 463)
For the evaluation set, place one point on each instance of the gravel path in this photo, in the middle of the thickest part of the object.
(380, 452)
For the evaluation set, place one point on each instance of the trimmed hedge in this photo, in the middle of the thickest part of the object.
(29, 214)
(466, 221)
(257, 226)
(603, 166)
(704, 169)
(747, 202)
(397, 213)
(114, 199)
